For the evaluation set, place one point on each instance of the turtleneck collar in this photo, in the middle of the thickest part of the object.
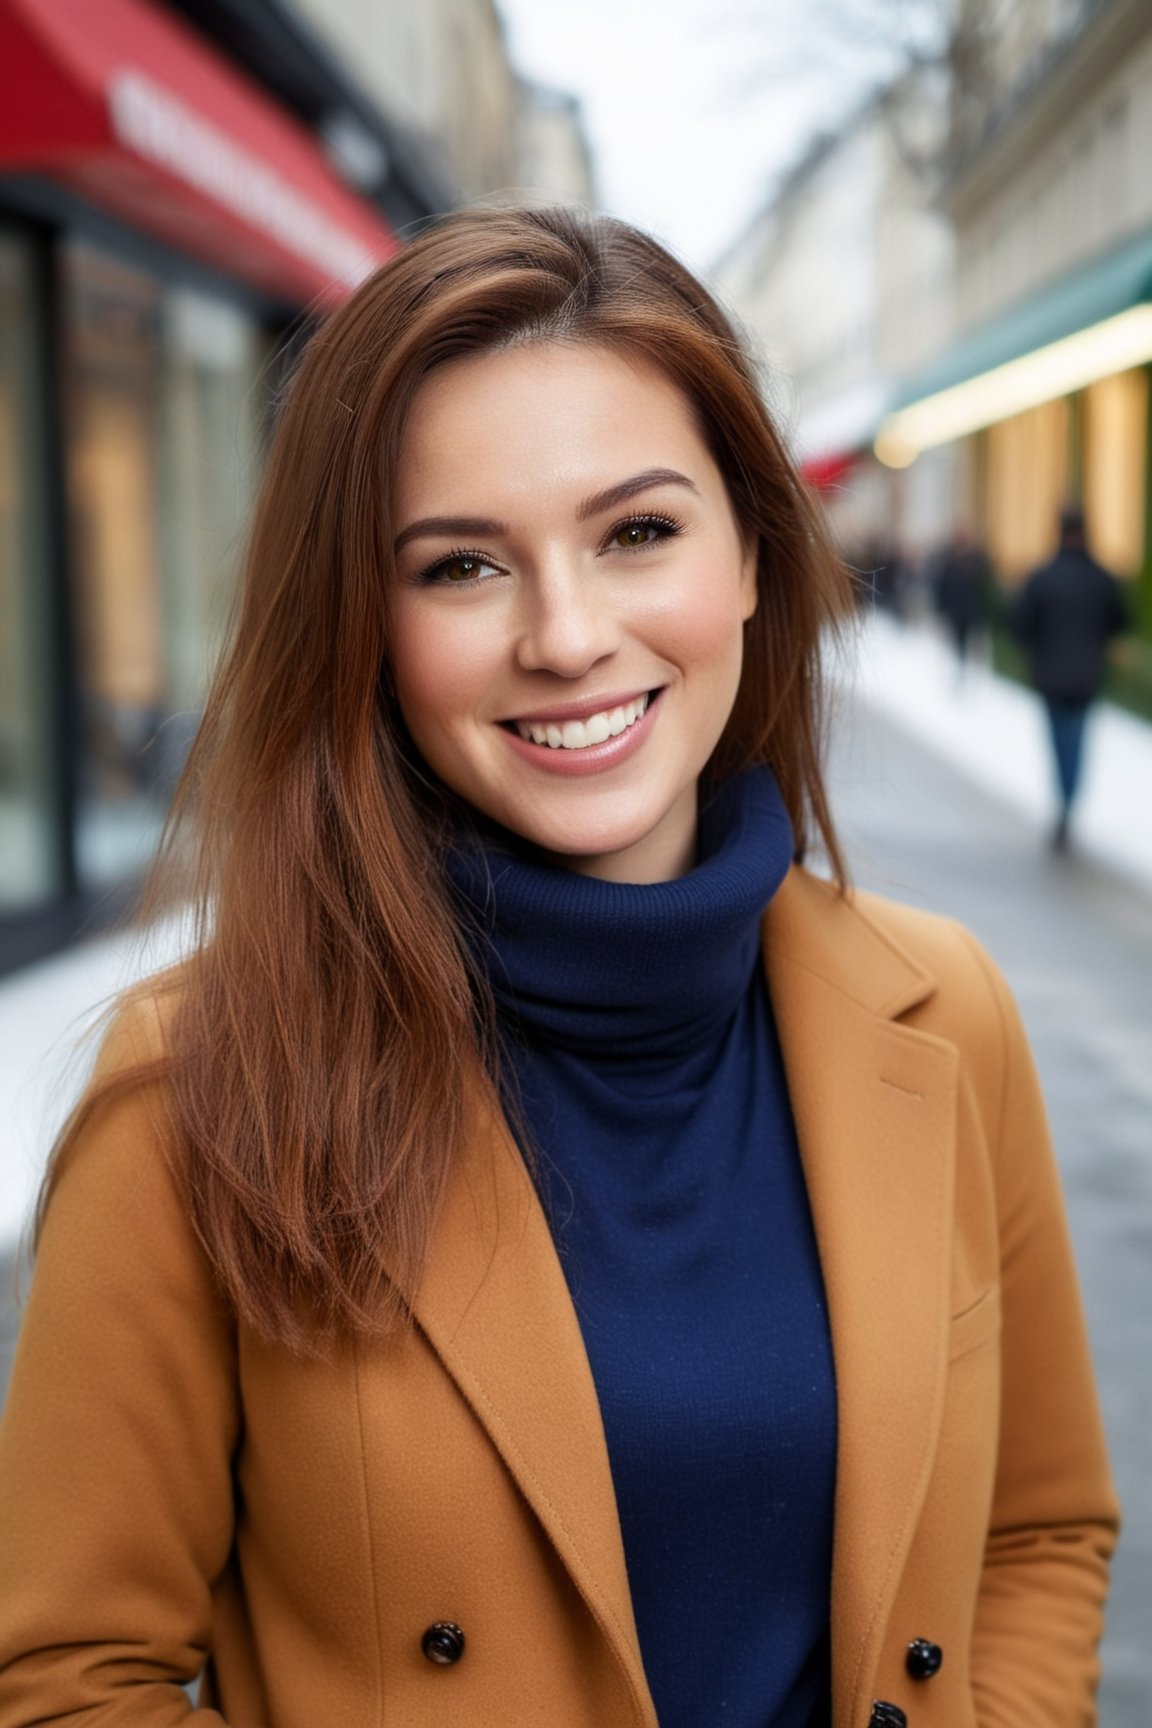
(624, 970)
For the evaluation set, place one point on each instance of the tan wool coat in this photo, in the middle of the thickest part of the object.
(174, 1493)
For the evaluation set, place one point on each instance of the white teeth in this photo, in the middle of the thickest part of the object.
(579, 734)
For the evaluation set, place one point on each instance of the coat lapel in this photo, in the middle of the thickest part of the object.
(874, 1104)
(495, 1306)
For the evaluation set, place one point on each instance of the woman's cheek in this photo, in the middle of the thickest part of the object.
(443, 662)
(704, 616)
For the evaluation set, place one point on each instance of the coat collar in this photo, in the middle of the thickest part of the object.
(874, 1103)
(810, 923)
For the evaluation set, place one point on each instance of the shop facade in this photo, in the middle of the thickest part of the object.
(1043, 397)
(845, 281)
(1046, 405)
(166, 225)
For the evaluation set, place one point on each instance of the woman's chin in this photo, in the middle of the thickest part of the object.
(619, 852)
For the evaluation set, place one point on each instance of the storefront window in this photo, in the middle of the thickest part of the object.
(1026, 481)
(163, 433)
(211, 444)
(29, 872)
(1115, 461)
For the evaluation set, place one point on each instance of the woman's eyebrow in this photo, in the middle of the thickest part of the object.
(452, 527)
(625, 489)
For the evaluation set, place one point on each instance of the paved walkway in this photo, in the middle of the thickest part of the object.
(45, 1011)
(1075, 942)
(995, 733)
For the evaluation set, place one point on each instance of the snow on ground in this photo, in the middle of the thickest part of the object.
(992, 730)
(45, 1011)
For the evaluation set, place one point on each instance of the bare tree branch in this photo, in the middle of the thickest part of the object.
(879, 47)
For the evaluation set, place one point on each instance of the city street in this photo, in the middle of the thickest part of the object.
(1076, 946)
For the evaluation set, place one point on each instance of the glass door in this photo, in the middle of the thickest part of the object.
(30, 854)
(164, 430)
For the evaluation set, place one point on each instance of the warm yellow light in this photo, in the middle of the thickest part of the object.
(894, 450)
(1056, 370)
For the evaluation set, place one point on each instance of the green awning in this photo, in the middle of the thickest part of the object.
(1086, 296)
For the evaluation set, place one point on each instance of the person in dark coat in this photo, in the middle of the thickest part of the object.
(963, 591)
(1064, 617)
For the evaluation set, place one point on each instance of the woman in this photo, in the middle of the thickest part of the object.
(546, 1258)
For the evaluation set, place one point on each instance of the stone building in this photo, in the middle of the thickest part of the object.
(555, 159)
(845, 282)
(1043, 394)
(443, 71)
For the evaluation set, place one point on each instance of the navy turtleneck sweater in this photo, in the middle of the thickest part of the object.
(647, 1074)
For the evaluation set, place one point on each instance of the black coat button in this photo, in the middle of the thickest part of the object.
(887, 1716)
(923, 1658)
(443, 1643)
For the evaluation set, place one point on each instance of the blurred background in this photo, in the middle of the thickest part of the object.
(934, 220)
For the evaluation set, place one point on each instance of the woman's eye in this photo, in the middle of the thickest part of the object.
(458, 568)
(641, 531)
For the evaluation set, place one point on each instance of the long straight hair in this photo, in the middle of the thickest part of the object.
(326, 1042)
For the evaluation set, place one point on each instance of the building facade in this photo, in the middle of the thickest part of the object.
(443, 70)
(1043, 396)
(555, 159)
(844, 281)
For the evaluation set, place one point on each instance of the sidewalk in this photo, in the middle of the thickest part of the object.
(994, 732)
(45, 1011)
(989, 729)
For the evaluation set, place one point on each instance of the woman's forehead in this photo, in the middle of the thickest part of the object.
(567, 418)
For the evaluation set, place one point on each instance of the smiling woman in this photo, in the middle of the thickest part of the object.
(481, 1279)
(575, 643)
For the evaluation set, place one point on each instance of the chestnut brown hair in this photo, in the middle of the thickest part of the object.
(326, 1033)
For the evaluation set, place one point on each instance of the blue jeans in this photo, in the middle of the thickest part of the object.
(1066, 721)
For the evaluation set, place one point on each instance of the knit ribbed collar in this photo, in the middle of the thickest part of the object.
(624, 970)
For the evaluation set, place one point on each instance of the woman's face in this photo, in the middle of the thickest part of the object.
(572, 590)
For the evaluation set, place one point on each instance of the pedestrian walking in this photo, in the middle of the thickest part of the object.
(1064, 617)
(963, 591)
(547, 1256)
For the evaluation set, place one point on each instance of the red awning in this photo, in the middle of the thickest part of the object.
(130, 107)
(825, 472)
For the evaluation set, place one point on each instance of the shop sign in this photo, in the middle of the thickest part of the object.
(158, 126)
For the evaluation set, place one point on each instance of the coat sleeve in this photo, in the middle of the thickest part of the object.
(1054, 1516)
(116, 1497)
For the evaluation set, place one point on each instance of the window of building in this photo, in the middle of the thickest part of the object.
(1026, 479)
(29, 843)
(163, 428)
(1114, 467)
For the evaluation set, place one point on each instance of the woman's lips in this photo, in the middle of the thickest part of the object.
(589, 745)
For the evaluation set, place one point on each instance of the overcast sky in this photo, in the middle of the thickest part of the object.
(693, 107)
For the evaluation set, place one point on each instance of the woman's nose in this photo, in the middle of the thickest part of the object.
(567, 624)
